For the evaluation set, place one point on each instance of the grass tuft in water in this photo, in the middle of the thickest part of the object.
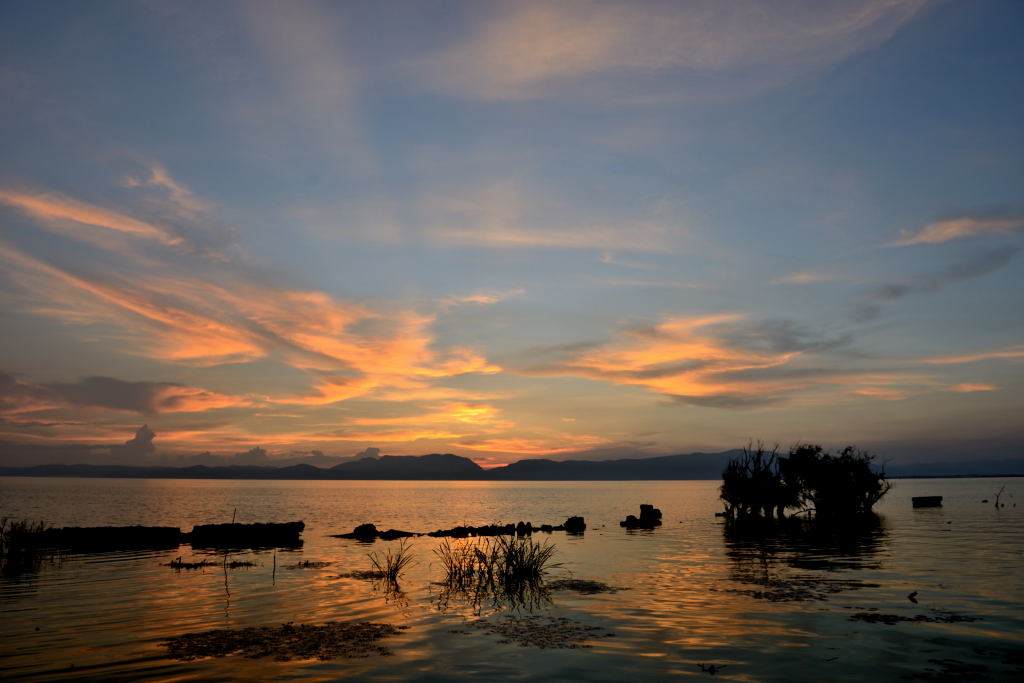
(390, 564)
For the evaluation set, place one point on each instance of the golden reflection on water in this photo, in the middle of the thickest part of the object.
(688, 597)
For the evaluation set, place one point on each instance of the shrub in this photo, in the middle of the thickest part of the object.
(761, 485)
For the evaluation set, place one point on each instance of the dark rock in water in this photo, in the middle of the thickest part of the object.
(575, 525)
(927, 501)
(649, 512)
(102, 538)
(271, 535)
(524, 529)
(547, 528)
(392, 534)
(368, 533)
(650, 517)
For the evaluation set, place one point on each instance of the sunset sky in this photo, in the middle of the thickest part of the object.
(509, 229)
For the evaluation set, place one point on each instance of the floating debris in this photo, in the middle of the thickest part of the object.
(712, 668)
(286, 642)
(363, 575)
(892, 619)
(234, 564)
(584, 586)
(307, 564)
(542, 632)
(799, 589)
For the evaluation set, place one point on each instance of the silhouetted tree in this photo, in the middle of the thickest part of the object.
(761, 484)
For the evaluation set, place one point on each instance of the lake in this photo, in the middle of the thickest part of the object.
(695, 596)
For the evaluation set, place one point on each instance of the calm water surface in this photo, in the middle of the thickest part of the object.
(775, 609)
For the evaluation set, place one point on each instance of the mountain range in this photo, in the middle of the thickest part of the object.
(446, 466)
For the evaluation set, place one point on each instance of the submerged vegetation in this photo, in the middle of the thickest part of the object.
(761, 484)
(287, 642)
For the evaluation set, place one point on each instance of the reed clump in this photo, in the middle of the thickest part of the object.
(390, 564)
(499, 559)
(22, 545)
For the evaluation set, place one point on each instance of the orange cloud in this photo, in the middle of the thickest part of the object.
(1011, 353)
(556, 445)
(959, 228)
(971, 387)
(54, 209)
(350, 349)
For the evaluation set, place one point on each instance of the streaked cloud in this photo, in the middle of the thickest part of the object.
(482, 298)
(60, 212)
(534, 49)
(512, 215)
(1014, 353)
(960, 228)
(969, 387)
(805, 278)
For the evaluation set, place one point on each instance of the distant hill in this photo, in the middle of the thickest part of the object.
(446, 466)
(433, 466)
(692, 466)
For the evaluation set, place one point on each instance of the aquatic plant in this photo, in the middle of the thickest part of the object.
(22, 546)
(495, 559)
(505, 571)
(761, 484)
(391, 563)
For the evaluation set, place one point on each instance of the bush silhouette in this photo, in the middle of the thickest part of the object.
(761, 484)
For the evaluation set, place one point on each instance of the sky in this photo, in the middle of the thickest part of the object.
(264, 232)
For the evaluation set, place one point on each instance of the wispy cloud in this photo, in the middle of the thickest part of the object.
(481, 298)
(976, 266)
(728, 361)
(536, 49)
(510, 215)
(1014, 353)
(212, 313)
(63, 213)
(960, 228)
(805, 278)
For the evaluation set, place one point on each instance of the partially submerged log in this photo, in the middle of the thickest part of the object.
(368, 533)
(926, 501)
(103, 538)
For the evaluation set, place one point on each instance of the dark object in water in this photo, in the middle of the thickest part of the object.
(575, 525)
(367, 533)
(927, 501)
(913, 597)
(650, 517)
(180, 564)
(712, 668)
(102, 538)
(271, 535)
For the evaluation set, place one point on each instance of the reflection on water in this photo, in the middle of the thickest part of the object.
(797, 559)
(694, 592)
